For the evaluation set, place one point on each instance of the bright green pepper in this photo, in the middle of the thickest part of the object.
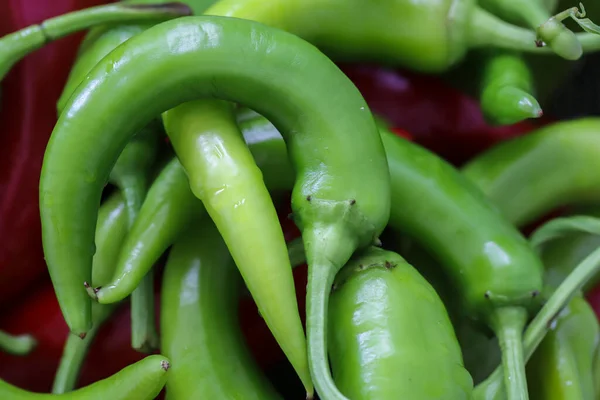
(17, 45)
(390, 335)
(200, 331)
(329, 131)
(111, 231)
(140, 381)
(515, 174)
(171, 204)
(223, 174)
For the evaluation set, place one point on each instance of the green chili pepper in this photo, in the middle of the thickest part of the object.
(171, 205)
(17, 45)
(199, 322)
(223, 174)
(514, 174)
(111, 231)
(390, 335)
(507, 89)
(17, 344)
(429, 36)
(329, 130)
(141, 381)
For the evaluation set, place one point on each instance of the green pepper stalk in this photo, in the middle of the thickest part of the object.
(111, 231)
(142, 380)
(377, 350)
(223, 174)
(537, 15)
(17, 45)
(199, 326)
(328, 128)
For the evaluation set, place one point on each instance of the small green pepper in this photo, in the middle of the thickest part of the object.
(329, 130)
(390, 336)
(140, 381)
(200, 331)
(111, 231)
(17, 45)
(507, 89)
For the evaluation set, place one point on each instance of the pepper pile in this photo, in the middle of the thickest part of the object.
(438, 265)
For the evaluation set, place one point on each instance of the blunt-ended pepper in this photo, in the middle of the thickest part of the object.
(329, 130)
(390, 334)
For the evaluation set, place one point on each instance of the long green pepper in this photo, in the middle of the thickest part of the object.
(111, 231)
(223, 174)
(329, 131)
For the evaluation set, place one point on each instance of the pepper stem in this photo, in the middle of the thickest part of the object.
(539, 326)
(327, 250)
(508, 324)
(17, 45)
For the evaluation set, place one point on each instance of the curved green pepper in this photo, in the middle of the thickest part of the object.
(141, 381)
(328, 128)
(515, 174)
(111, 231)
(199, 322)
(391, 335)
(17, 45)
(223, 174)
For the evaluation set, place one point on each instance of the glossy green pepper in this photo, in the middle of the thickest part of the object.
(280, 76)
(390, 336)
(514, 174)
(200, 331)
(17, 45)
(429, 36)
(111, 231)
(140, 381)
(223, 174)
(171, 204)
